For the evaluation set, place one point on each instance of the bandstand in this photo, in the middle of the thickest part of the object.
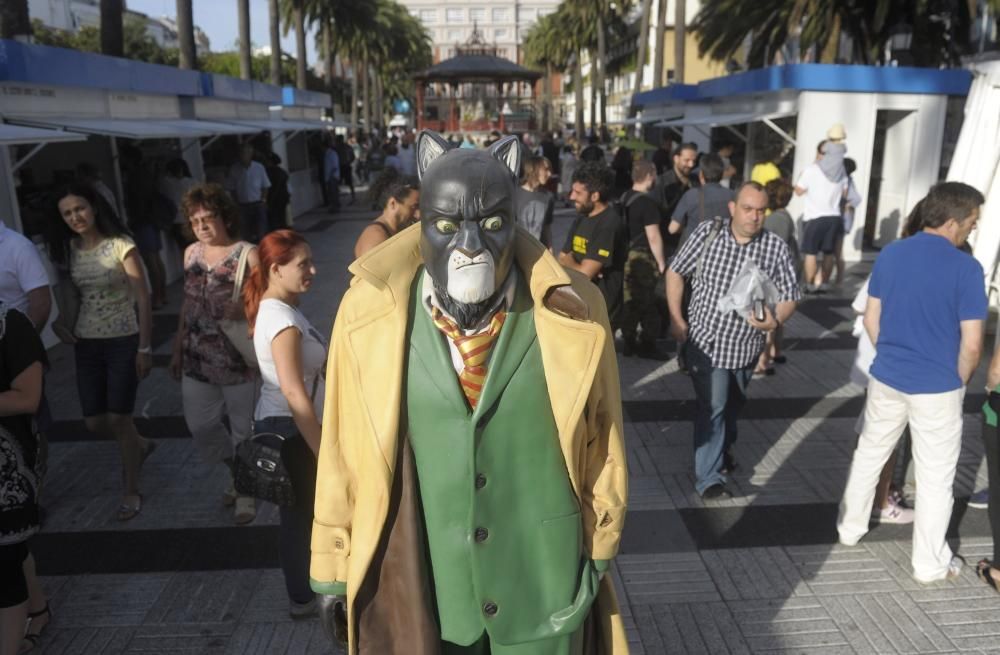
(476, 91)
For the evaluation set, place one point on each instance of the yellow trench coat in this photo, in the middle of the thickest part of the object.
(364, 390)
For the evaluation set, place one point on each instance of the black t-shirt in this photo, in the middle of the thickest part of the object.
(20, 347)
(670, 188)
(641, 210)
(592, 152)
(602, 239)
(663, 160)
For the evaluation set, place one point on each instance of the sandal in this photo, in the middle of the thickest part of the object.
(780, 359)
(30, 640)
(983, 570)
(127, 512)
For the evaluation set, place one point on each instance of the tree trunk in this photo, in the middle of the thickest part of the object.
(593, 92)
(661, 27)
(832, 47)
(300, 44)
(379, 118)
(246, 64)
(275, 29)
(547, 99)
(112, 30)
(602, 53)
(185, 36)
(354, 94)
(578, 94)
(328, 62)
(640, 57)
(680, 40)
(366, 94)
(15, 21)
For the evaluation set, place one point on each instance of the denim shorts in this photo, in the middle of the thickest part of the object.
(106, 379)
(822, 234)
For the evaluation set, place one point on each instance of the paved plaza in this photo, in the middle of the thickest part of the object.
(760, 573)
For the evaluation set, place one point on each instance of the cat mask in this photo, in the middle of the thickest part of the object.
(467, 221)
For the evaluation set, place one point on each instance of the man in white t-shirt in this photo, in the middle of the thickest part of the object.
(823, 190)
(248, 183)
(24, 282)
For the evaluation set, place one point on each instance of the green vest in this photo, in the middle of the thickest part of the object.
(503, 524)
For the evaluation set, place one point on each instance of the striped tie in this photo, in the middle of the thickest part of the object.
(475, 350)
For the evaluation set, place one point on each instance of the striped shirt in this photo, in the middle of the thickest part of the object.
(728, 339)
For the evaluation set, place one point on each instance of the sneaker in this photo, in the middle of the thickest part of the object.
(895, 514)
(302, 610)
(717, 492)
(980, 499)
(954, 570)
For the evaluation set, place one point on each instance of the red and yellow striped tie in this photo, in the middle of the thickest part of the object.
(475, 350)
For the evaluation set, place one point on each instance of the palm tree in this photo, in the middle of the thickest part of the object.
(544, 46)
(246, 62)
(299, 22)
(112, 28)
(15, 21)
(661, 29)
(185, 36)
(275, 30)
(342, 23)
(593, 21)
(640, 58)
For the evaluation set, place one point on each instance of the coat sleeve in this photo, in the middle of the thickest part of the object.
(604, 485)
(334, 509)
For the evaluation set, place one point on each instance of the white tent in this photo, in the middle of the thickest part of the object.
(977, 160)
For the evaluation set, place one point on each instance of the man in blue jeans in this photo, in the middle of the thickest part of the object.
(722, 349)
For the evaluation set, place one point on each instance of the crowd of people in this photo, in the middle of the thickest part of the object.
(664, 239)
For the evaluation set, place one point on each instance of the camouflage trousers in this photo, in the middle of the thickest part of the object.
(641, 277)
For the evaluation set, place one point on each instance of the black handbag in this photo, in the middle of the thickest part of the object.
(260, 472)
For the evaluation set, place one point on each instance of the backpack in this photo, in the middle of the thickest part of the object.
(622, 205)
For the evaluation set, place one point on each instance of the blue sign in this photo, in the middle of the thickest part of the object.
(401, 106)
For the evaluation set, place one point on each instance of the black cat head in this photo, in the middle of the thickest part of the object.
(467, 220)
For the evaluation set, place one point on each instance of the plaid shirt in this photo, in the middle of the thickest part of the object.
(728, 339)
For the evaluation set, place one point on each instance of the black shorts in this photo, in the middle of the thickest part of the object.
(13, 585)
(822, 234)
(106, 379)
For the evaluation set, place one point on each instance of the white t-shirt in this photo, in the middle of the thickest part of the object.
(273, 317)
(248, 184)
(21, 269)
(822, 197)
(865, 354)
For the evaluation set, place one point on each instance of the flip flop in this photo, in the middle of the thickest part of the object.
(983, 569)
(245, 510)
(30, 640)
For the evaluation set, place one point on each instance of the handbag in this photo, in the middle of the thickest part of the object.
(259, 471)
(237, 331)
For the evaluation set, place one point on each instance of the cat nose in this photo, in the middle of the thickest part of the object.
(468, 253)
(469, 242)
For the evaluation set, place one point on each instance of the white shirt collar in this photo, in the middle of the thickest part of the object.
(504, 300)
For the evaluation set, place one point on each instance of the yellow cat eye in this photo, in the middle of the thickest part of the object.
(445, 226)
(492, 224)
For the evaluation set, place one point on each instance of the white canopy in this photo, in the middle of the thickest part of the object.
(13, 135)
(128, 128)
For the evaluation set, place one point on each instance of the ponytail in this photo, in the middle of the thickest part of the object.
(276, 248)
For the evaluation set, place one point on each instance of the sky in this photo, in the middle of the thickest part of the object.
(217, 18)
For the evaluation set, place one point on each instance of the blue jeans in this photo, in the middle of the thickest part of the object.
(721, 394)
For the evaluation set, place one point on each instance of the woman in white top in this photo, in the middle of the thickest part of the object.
(292, 358)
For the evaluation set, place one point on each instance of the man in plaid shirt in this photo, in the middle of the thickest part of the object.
(722, 349)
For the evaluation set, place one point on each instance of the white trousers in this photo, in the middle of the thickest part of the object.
(205, 405)
(936, 427)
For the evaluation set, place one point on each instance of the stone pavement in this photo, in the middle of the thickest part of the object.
(758, 573)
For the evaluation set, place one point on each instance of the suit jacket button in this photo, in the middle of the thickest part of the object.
(481, 535)
(490, 609)
(480, 481)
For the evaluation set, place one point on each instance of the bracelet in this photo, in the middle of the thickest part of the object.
(148, 350)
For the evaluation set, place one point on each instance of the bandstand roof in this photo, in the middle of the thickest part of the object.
(477, 61)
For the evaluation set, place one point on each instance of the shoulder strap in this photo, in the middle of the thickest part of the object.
(241, 267)
(716, 228)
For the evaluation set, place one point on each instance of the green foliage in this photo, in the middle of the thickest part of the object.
(139, 45)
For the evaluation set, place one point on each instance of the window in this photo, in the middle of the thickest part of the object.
(526, 14)
(428, 15)
(455, 16)
(500, 34)
(455, 35)
(500, 15)
(544, 12)
(477, 14)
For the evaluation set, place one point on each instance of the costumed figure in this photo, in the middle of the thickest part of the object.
(472, 479)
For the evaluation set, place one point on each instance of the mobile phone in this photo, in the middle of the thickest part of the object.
(758, 309)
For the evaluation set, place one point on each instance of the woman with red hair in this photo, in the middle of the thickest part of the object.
(292, 358)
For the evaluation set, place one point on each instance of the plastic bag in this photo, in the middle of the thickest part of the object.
(750, 283)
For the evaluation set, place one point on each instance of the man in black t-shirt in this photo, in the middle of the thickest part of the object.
(593, 152)
(595, 245)
(705, 202)
(644, 266)
(663, 158)
(671, 185)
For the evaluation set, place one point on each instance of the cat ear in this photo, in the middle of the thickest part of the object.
(430, 146)
(508, 151)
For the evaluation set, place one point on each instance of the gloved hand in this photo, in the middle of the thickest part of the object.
(333, 617)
